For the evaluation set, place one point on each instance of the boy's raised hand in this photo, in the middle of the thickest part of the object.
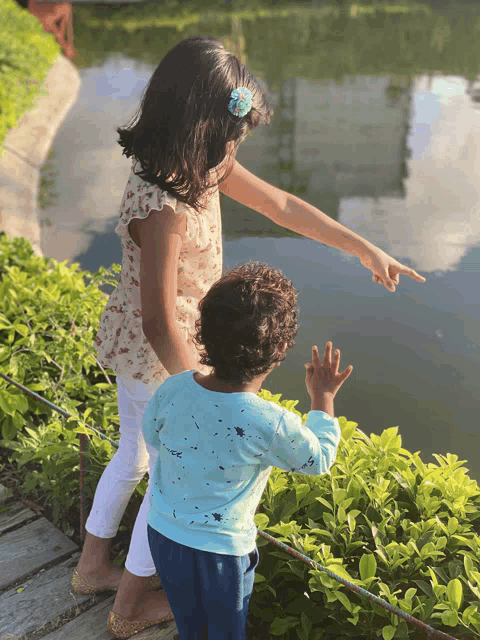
(323, 376)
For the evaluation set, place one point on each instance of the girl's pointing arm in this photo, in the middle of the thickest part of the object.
(291, 212)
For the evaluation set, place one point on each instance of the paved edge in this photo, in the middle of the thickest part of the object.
(26, 149)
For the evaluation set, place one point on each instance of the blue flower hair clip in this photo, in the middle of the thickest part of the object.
(241, 102)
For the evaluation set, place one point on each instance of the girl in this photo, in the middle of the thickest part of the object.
(217, 442)
(198, 107)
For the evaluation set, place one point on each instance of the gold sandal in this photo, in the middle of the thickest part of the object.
(80, 585)
(122, 628)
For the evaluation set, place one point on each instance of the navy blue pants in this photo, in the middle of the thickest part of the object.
(207, 592)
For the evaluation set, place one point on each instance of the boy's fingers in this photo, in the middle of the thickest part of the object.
(326, 357)
(336, 362)
(347, 372)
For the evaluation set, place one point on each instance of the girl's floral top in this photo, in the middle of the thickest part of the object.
(120, 341)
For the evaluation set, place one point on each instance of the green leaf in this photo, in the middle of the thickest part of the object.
(325, 503)
(455, 593)
(301, 491)
(351, 522)
(8, 402)
(344, 600)
(18, 420)
(340, 571)
(388, 632)
(425, 587)
(22, 329)
(450, 618)
(367, 566)
(306, 623)
(261, 520)
(468, 564)
(9, 430)
(452, 525)
(282, 625)
(474, 589)
(410, 594)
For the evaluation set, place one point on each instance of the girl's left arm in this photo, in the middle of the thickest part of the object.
(291, 212)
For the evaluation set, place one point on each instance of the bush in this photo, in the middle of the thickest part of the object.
(49, 314)
(27, 53)
(405, 530)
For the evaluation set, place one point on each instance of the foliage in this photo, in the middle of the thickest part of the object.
(382, 519)
(26, 56)
(405, 530)
(49, 313)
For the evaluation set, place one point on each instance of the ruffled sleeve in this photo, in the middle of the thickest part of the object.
(140, 198)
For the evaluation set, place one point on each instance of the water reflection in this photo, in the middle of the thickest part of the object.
(438, 220)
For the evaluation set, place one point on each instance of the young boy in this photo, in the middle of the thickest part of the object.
(217, 441)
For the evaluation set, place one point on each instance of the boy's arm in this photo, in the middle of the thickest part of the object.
(323, 402)
(310, 449)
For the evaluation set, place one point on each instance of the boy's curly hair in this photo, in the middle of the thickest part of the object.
(245, 320)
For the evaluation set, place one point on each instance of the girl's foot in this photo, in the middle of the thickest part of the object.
(103, 577)
(151, 607)
(94, 566)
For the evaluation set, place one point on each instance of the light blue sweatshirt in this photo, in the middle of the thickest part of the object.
(216, 451)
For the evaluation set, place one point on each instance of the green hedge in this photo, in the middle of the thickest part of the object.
(27, 53)
(403, 529)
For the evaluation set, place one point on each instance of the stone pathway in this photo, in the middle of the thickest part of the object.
(36, 564)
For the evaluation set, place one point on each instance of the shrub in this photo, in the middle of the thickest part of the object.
(27, 53)
(49, 314)
(386, 521)
(405, 530)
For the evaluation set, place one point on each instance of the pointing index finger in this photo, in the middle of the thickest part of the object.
(413, 274)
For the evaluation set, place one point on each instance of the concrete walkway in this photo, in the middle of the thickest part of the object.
(26, 148)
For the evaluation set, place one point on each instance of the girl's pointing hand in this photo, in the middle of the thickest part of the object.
(386, 269)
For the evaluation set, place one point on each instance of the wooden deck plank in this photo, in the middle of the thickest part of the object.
(92, 625)
(44, 597)
(29, 548)
(14, 515)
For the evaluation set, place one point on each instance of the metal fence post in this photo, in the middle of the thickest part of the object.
(83, 449)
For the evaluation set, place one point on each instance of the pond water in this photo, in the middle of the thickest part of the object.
(390, 152)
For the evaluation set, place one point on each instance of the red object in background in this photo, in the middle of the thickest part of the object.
(56, 17)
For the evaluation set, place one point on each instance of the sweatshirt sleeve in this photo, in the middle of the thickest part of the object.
(310, 449)
(151, 423)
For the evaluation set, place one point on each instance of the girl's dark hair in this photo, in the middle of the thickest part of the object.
(245, 320)
(184, 125)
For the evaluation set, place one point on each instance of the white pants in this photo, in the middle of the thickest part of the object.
(124, 471)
